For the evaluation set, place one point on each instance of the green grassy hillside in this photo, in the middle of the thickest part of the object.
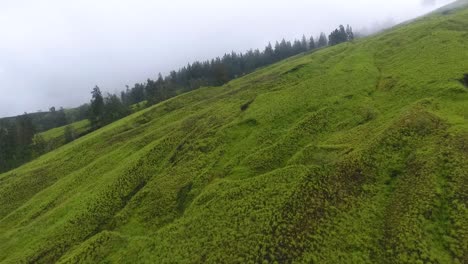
(356, 153)
(55, 137)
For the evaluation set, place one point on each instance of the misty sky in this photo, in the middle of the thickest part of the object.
(53, 52)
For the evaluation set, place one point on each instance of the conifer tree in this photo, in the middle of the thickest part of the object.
(339, 35)
(322, 42)
(96, 108)
(304, 44)
(312, 43)
(349, 33)
(297, 47)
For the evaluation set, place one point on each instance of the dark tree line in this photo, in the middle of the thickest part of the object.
(215, 72)
(18, 143)
(221, 70)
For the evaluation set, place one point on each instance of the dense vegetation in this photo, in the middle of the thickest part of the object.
(357, 153)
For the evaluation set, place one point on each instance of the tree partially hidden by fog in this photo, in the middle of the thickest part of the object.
(341, 35)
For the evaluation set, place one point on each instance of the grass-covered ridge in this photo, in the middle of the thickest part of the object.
(352, 154)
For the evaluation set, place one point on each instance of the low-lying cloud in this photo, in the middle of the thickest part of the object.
(53, 52)
(429, 2)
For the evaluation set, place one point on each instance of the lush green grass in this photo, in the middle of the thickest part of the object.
(55, 137)
(138, 106)
(353, 154)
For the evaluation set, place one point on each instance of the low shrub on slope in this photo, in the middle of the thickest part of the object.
(353, 154)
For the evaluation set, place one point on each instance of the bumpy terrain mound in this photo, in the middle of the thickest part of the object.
(353, 154)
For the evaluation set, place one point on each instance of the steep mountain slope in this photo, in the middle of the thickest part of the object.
(353, 154)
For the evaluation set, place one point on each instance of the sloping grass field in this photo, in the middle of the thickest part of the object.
(55, 137)
(356, 153)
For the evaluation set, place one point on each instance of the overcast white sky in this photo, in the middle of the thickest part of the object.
(53, 52)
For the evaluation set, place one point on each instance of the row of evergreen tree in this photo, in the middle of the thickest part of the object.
(18, 143)
(215, 72)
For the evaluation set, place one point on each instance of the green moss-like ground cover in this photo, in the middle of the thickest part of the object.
(356, 153)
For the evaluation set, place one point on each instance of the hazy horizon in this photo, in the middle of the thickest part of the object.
(53, 53)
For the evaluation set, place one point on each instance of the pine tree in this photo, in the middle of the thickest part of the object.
(333, 37)
(269, 54)
(349, 33)
(340, 35)
(322, 42)
(151, 92)
(297, 47)
(96, 108)
(304, 44)
(312, 43)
